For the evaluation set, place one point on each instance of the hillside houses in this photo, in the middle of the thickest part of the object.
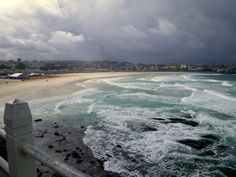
(66, 66)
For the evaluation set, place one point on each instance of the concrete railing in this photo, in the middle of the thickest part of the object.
(21, 152)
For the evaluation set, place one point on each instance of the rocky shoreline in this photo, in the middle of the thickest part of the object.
(66, 144)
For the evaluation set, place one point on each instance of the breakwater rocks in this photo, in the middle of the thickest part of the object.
(66, 144)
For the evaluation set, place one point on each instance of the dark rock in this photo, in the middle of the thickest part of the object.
(38, 120)
(79, 161)
(68, 155)
(50, 146)
(100, 163)
(157, 118)
(63, 139)
(208, 153)
(119, 146)
(82, 127)
(66, 158)
(210, 136)
(183, 121)
(108, 155)
(228, 171)
(38, 170)
(187, 116)
(147, 129)
(92, 162)
(56, 133)
(64, 150)
(140, 127)
(222, 148)
(58, 151)
(56, 175)
(40, 174)
(55, 126)
(75, 155)
(196, 144)
(40, 135)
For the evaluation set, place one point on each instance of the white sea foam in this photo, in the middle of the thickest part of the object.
(210, 74)
(150, 147)
(168, 78)
(143, 86)
(71, 102)
(189, 112)
(226, 84)
(185, 87)
(186, 99)
(138, 95)
(91, 108)
(144, 97)
(223, 83)
(76, 98)
(188, 78)
(212, 80)
(212, 100)
(85, 92)
(220, 95)
(194, 90)
(82, 84)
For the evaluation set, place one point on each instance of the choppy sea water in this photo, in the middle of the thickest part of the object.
(155, 124)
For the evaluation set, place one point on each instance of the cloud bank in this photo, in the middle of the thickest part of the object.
(153, 31)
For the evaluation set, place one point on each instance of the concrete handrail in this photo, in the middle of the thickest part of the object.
(3, 163)
(2, 134)
(56, 165)
(20, 149)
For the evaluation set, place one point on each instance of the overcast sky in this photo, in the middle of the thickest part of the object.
(150, 31)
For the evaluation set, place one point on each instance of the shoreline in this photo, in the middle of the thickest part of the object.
(47, 87)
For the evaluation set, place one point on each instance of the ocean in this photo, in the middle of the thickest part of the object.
(154, 124)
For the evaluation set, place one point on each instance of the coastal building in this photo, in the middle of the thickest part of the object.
(183, 67)
(18, 76)
(35, 75)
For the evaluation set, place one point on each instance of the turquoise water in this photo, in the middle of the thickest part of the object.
(130, 129)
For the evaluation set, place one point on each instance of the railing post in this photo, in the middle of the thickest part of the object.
(18, 127)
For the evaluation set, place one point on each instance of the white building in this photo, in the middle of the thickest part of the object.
(17, 76)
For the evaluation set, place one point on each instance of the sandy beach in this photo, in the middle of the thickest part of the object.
(47, 87)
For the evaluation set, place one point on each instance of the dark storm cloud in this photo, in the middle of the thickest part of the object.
(153, 31)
